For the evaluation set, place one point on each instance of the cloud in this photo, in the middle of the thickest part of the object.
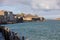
(14, 2)
(35, 4)
(45, 4)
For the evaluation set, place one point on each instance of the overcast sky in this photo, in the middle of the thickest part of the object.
(46, 8)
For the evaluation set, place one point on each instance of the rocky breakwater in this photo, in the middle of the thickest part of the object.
(9, 35)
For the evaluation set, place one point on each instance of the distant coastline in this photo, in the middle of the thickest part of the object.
(57, 18)
(11, 18)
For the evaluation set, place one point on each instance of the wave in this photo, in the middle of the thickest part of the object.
(27, 39)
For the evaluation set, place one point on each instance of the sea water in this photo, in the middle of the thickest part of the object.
(48, 30)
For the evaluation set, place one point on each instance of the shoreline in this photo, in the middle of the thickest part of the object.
(20, 22)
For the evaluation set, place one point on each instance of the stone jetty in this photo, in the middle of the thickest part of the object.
(9, 35)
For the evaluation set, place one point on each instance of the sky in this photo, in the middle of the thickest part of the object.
(47, 8)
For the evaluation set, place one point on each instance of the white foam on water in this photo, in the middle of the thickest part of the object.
(27, 39)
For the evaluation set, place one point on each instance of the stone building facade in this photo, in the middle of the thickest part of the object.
(6, 16)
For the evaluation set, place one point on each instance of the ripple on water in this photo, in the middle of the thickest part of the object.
(49, 30)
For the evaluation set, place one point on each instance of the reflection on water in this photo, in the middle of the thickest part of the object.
(49, 30)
